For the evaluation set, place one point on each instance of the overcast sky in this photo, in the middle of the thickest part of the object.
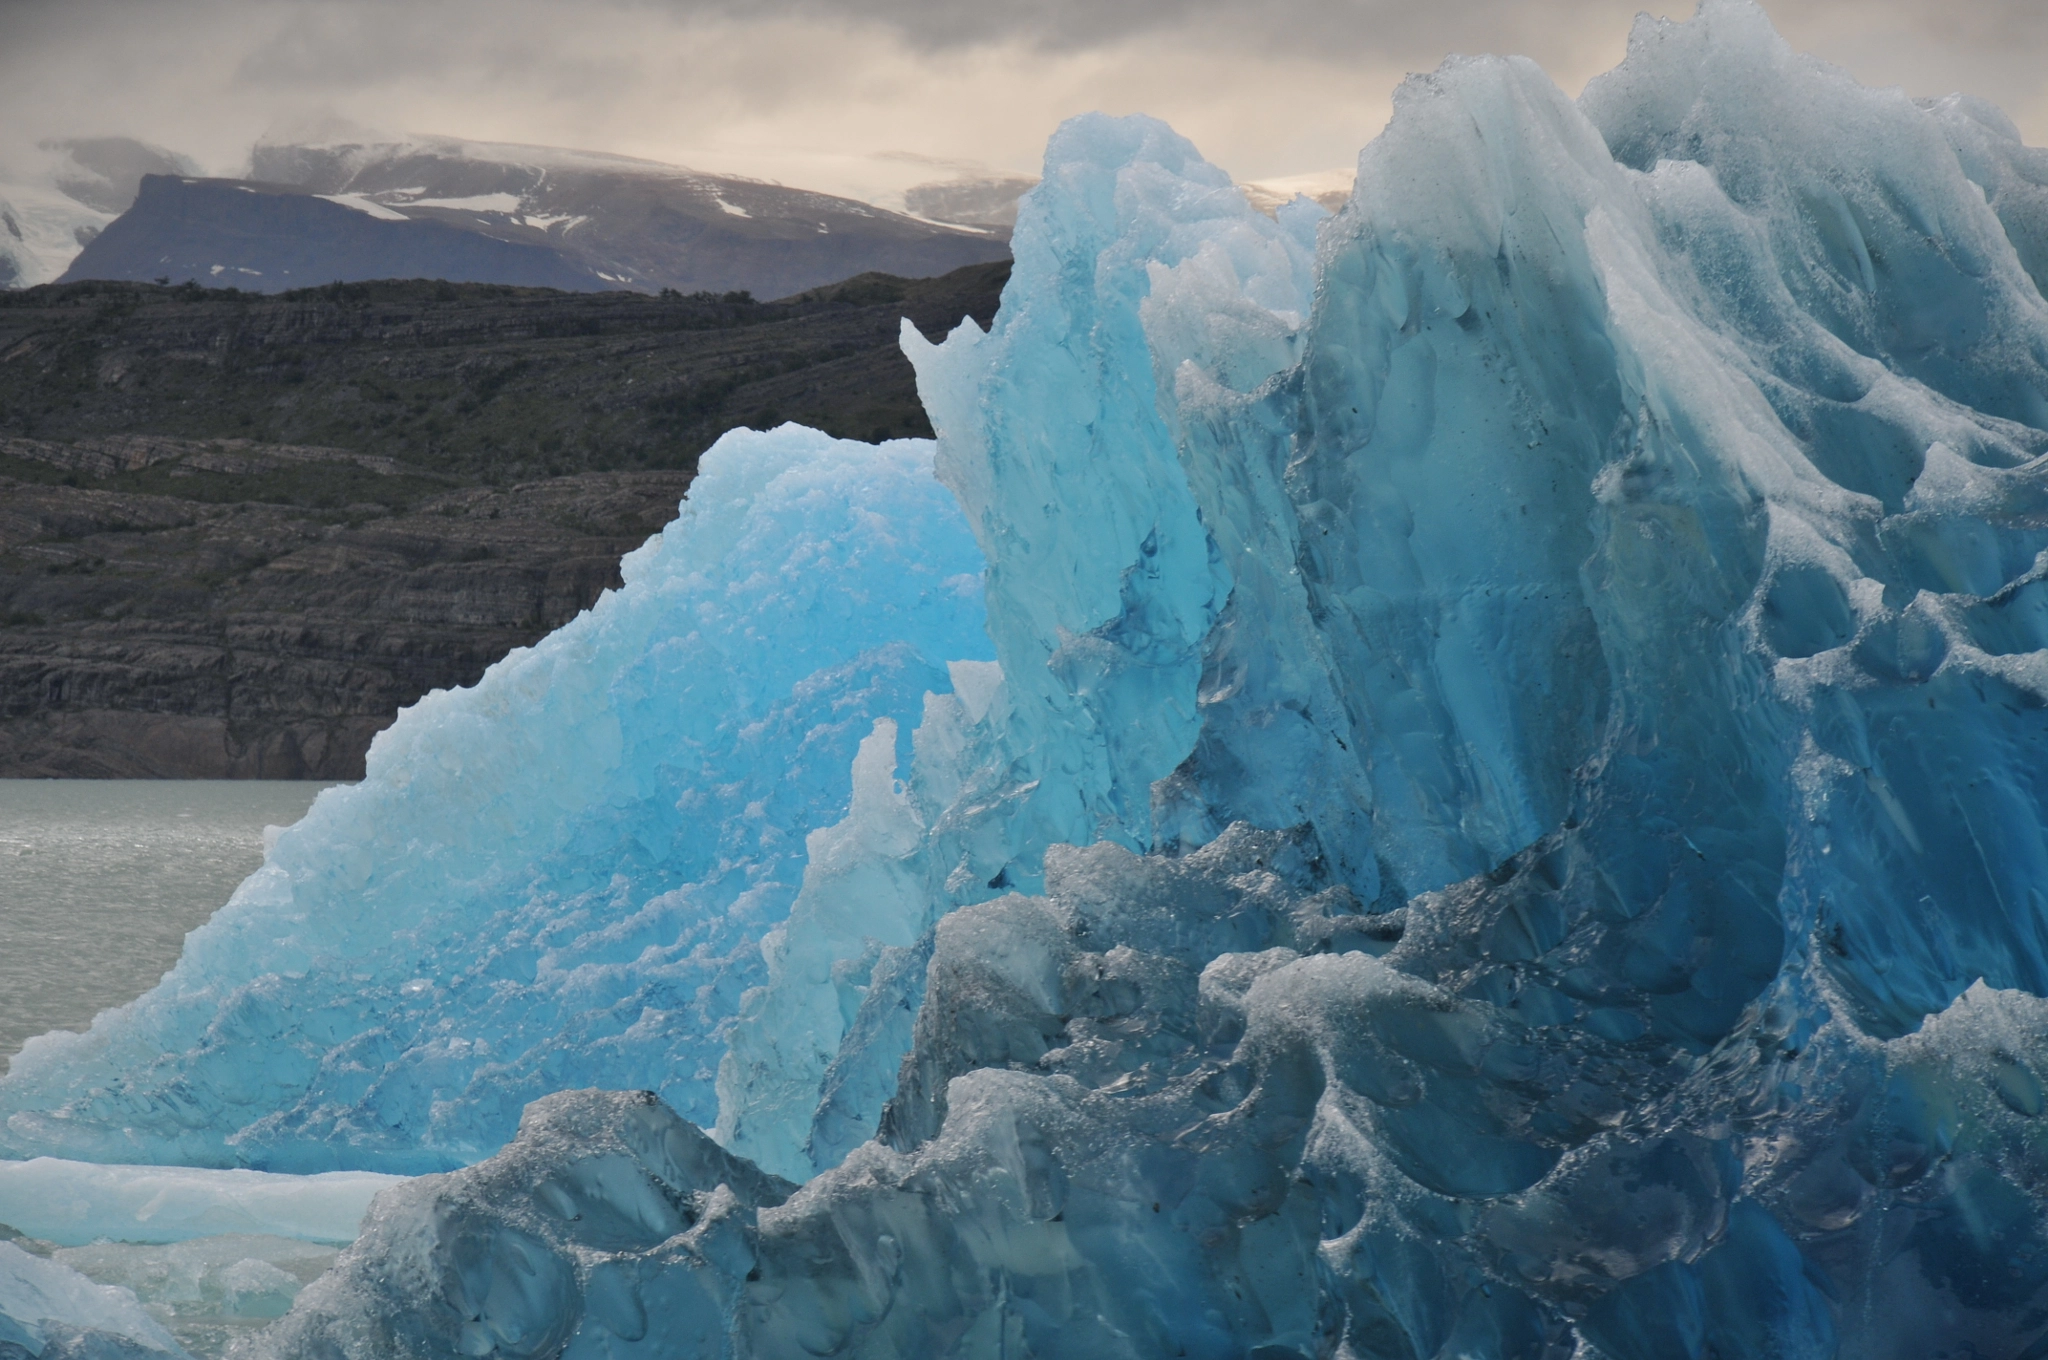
(1266, 89)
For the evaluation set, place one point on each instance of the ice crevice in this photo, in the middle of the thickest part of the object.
(1460, 777)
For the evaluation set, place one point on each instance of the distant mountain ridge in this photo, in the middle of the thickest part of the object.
(534, 216)
(466, 211)
(272, 238)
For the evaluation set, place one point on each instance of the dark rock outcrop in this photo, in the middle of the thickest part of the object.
(152, 636)
(238, 533)
(480, 382)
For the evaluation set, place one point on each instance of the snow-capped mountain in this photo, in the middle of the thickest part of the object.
(308, 213)
(1328, 188)
(976, 200)
(68, 192)
(485, 212)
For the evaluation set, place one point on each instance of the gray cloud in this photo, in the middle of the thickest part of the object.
(1267, 88)
(1338, 29)
(2000, 32)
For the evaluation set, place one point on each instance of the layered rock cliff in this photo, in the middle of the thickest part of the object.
(238, 534)
(150, 635)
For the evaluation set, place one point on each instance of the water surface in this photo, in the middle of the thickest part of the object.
(100, 879)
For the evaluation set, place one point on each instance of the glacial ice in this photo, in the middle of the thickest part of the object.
(561, 875)
(75, 1203)
(1498, 811)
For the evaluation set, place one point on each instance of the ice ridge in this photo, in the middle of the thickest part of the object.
(1505, 818)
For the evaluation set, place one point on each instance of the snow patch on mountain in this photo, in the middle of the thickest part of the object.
(363, 205)
(490, 203)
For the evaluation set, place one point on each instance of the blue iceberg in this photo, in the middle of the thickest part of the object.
(1462, 778)
(563, 875)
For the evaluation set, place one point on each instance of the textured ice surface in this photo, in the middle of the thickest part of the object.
(73, 1203)
(1509, 821)
(562, 875)
(51, 1312)
(1103, 584)
(603, 1194)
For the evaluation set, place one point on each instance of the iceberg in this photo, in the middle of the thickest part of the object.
(565, 872)
(1458, 778)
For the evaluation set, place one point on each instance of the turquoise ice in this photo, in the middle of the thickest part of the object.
(562, 876)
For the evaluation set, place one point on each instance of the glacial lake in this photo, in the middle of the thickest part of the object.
(100, 879)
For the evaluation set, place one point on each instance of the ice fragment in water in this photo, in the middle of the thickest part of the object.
(49, 1311)
(209, 1291)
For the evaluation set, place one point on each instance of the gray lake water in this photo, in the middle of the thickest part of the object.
(100, 879)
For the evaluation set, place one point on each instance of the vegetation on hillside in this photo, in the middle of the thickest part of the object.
(239, 532)
(482, 383)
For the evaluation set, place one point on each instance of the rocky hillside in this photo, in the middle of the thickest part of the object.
(238, 533)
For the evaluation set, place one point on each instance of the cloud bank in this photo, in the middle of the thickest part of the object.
(808, 90)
